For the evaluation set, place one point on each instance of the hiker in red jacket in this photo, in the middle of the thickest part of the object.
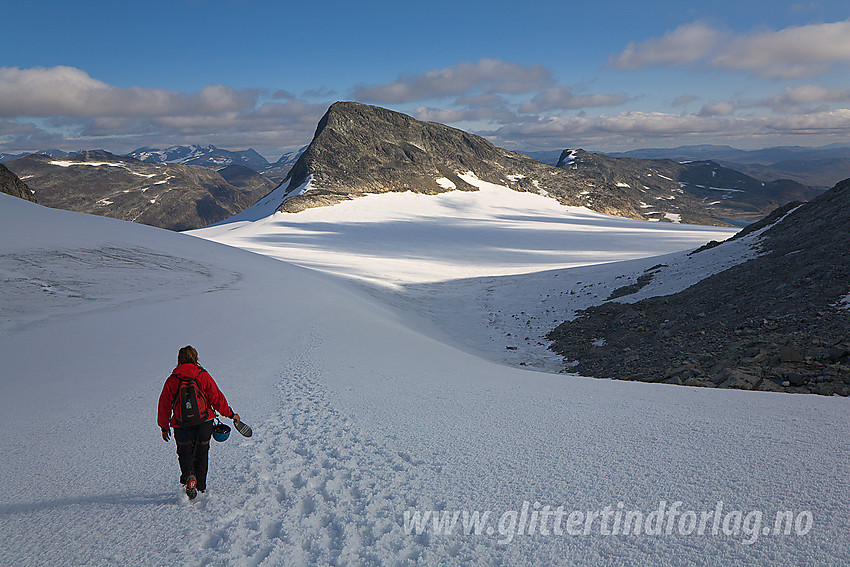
(186, 404)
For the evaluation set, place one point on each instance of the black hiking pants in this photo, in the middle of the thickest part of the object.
(193, 449)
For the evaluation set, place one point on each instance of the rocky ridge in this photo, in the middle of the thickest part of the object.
(819, 167)
(724, 193)
(173, 196)
(11, 184)
(779, 322)
(360, 149)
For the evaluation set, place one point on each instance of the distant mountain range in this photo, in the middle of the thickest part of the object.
(812, 172)
(207, 156)
(52, 153)
(724, 193)
(820, 167)
(211, 156)
(173, 196)
(764, 156)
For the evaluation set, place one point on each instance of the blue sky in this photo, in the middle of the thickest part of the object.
(544, 75)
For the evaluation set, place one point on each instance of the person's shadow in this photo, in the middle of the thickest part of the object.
(123, 500)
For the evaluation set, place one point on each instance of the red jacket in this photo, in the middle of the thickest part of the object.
(205, 382)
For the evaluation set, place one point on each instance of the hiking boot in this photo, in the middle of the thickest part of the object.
(191, 484)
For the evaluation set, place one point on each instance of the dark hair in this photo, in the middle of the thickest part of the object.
(186, 355)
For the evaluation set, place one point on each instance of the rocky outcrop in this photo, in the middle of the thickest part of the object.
(173, 196)
(360, 149)
(779, 322)
(12, 185)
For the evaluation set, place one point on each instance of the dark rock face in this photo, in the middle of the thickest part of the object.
(173, 196)
(777, 322)
(12, 185)
(360, 149)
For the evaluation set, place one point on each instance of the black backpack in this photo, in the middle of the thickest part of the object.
(190, 406)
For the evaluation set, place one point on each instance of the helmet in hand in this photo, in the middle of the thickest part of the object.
(220, 431)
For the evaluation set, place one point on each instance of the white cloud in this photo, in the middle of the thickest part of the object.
(562, 98)
(819, 122)
(472, 108)
(789, 53)
(470, 114)
(75, 110)
(68, 91)
(792, 52)
(630, 129)
(717, 108)
(487, 75)
(684, 44)
(808, 94)
(625, 123)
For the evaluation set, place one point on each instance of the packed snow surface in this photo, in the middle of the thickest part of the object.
(362, 411)
(446, 183)
(399, 238)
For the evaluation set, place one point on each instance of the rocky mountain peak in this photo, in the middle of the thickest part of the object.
(568, 157)
(360, 149)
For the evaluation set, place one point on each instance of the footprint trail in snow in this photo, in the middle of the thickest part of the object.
(314, 490)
